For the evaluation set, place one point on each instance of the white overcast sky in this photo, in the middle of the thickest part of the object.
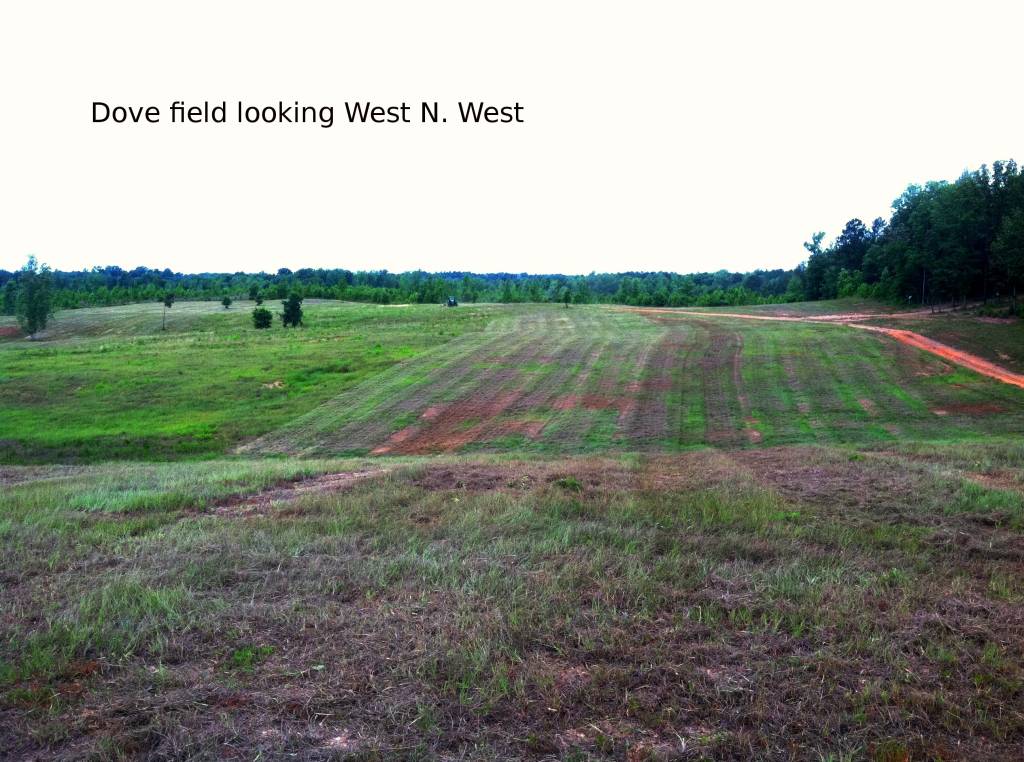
(658, 136)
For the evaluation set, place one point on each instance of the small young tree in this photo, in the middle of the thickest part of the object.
(226, 301)
(254, 293)
(292, 315)
(33, 305)
(262, 317)
(168, 303)
(258, 299)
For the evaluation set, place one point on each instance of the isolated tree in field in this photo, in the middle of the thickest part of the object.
(226, 301)
(33, 305)
(254, 293)
(262, 317)
(168, 303)
(258, 299)
(292, 315)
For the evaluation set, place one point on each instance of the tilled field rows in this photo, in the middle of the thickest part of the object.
(592, 379)
(555, 377)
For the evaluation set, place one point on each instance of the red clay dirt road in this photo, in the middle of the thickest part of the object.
(946, 352)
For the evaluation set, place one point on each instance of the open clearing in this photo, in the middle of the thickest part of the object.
(597, 380)
(507, 532)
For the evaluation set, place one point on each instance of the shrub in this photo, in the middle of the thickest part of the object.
(262, 318)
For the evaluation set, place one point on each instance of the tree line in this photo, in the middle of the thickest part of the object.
(107, 286)
(945, 241)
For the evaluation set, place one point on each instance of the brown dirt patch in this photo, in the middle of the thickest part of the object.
(808, 475)
(19, 474)
(695, 470)
(566, 402)
(260, 503)
(484, 477)
(9, 331)
(478, 477)
(997, 480)
(868, 406)
(450, 429)
(396, 439)
(666, 314)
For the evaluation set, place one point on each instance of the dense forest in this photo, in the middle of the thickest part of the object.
(945, 242)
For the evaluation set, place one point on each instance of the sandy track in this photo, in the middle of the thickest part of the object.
(910, 338)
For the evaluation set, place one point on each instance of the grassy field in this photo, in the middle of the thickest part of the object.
(555, 381)
(506, 532)
(109, 383)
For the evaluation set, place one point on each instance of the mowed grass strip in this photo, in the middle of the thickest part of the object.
(522, 383)
(550, 380)
(599, 608)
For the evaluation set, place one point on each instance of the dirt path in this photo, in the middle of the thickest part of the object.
(946, 352)
(846, 317)
(260, 502)
(910, 338)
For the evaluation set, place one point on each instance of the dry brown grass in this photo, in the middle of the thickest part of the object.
(774, 604)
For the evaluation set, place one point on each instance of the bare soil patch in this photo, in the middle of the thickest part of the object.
(805, 474)
(693, 470)
(997, 480)
(10, 475)
(451, 427)
(591, 474)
